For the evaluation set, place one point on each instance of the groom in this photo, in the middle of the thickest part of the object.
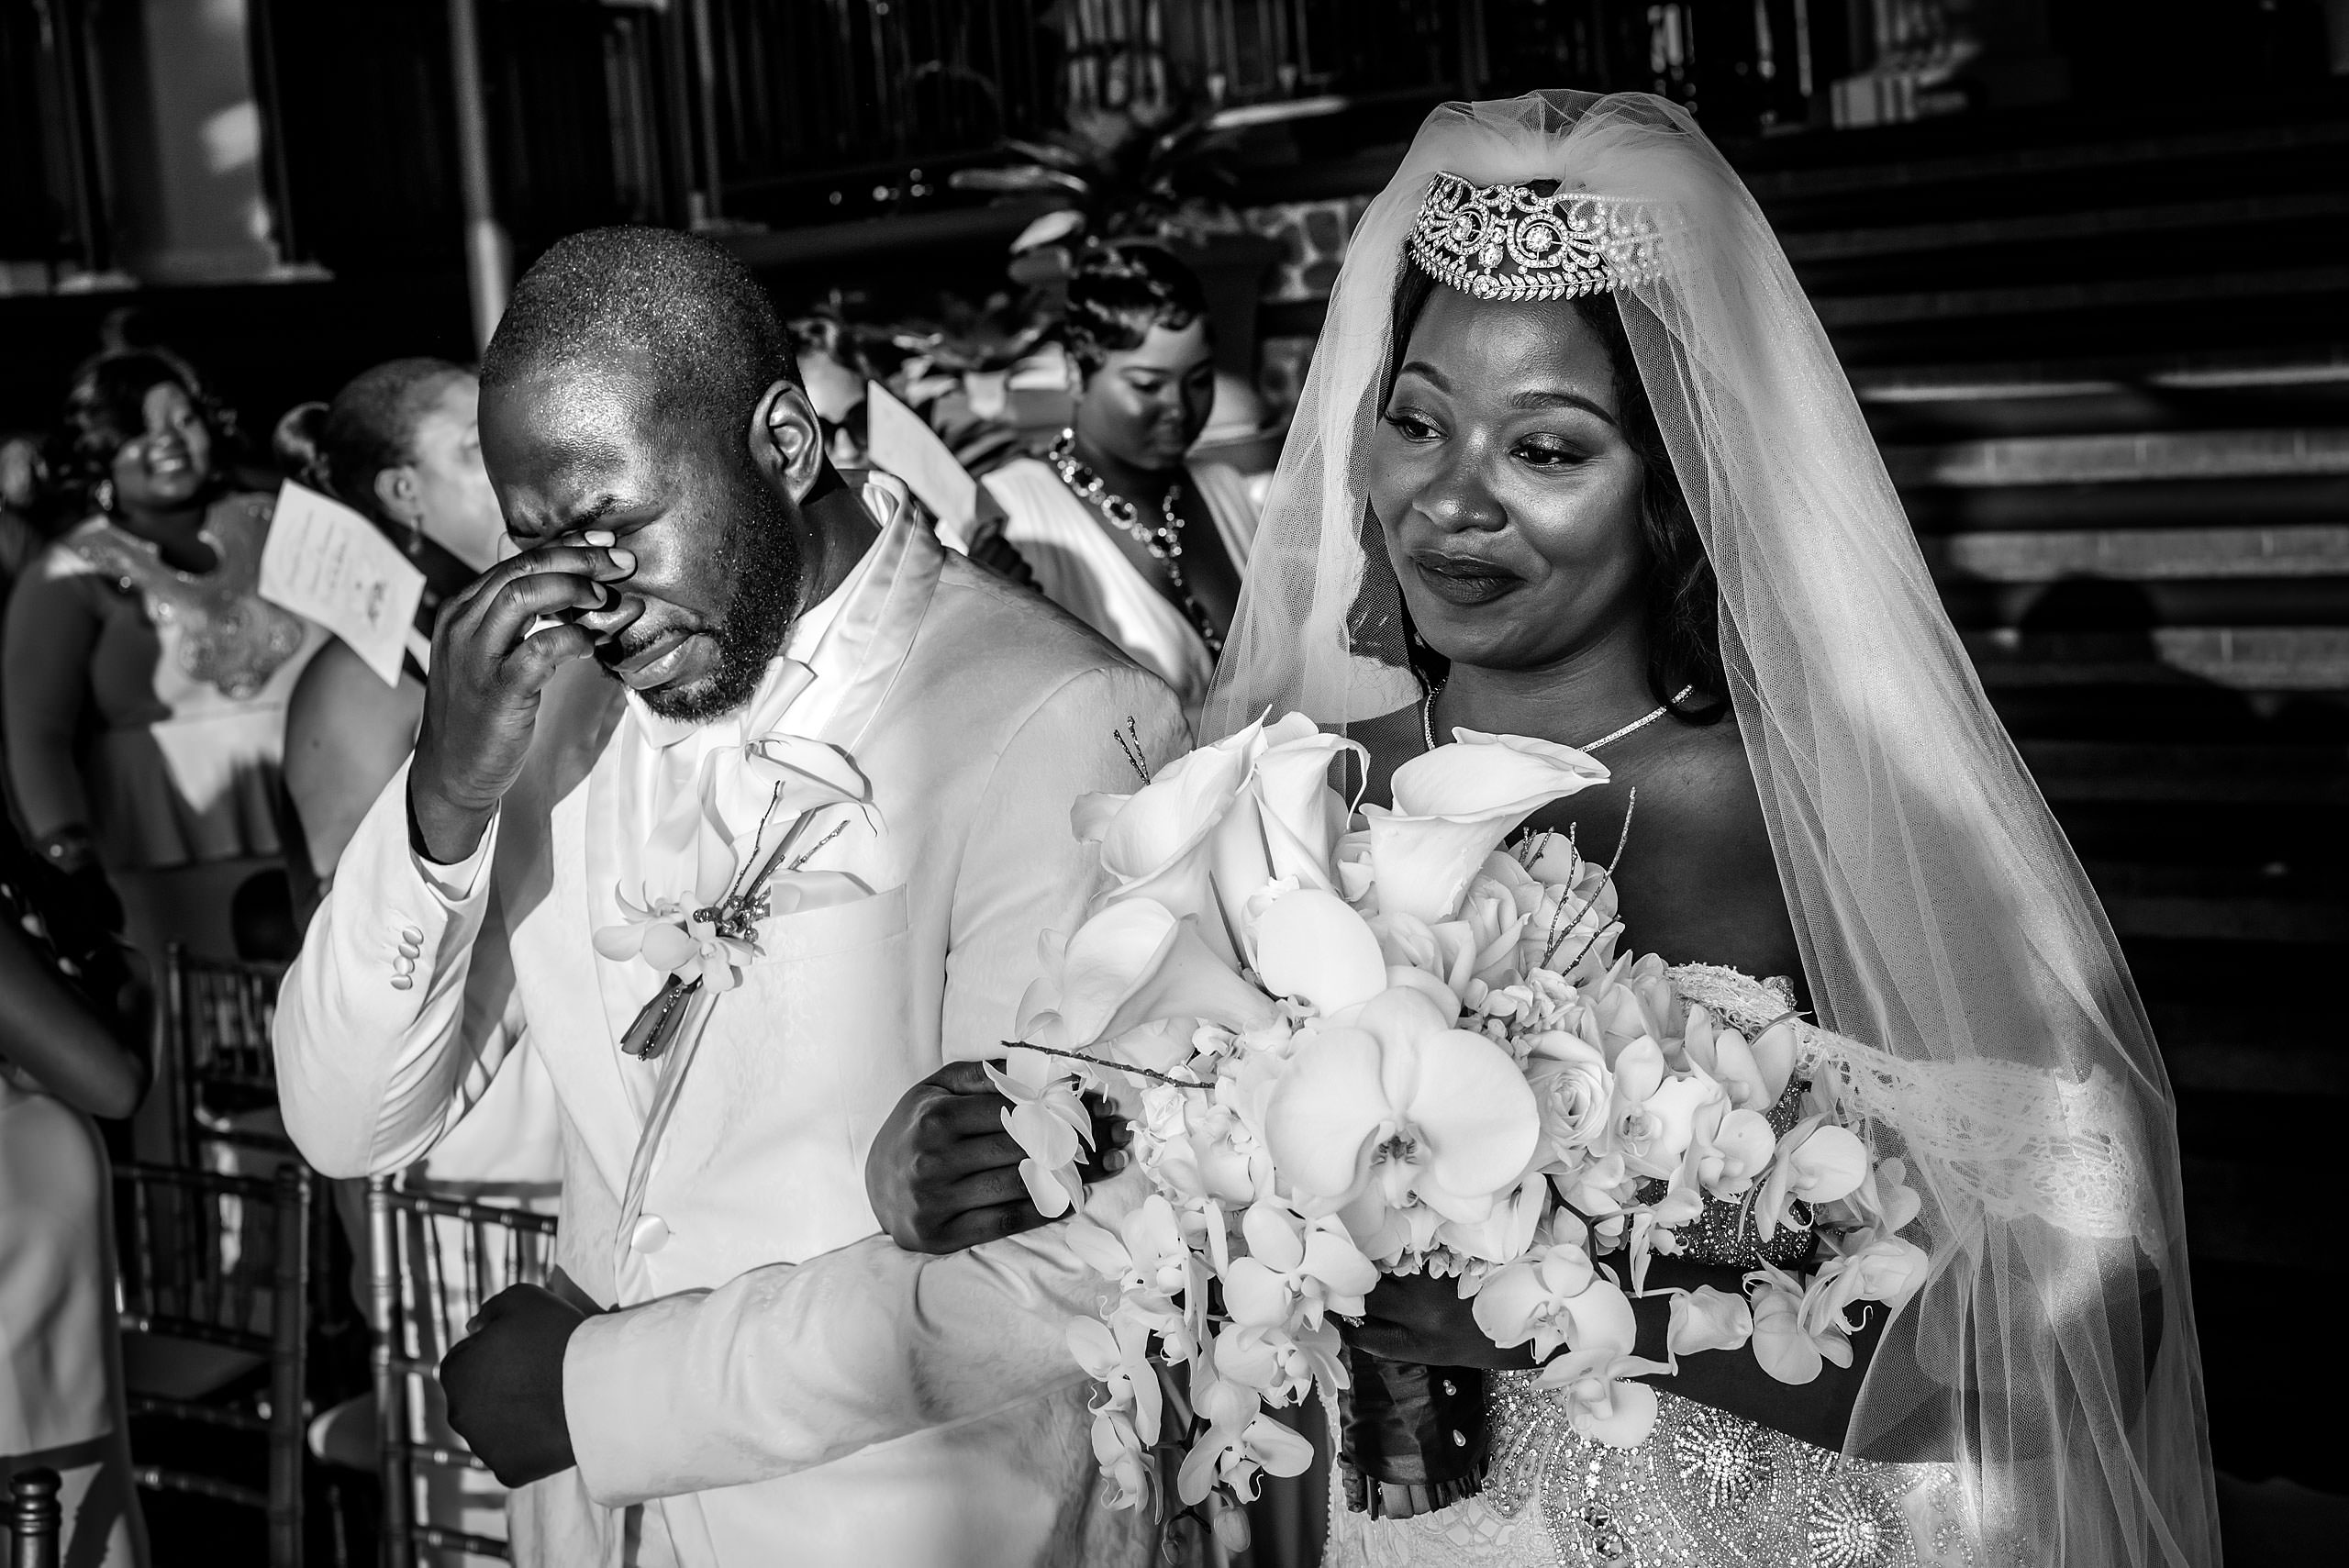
(744, 802)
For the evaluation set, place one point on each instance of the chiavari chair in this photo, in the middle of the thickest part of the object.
(433, 1261)
(209, 1259)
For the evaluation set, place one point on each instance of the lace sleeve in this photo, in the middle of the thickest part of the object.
(2020, 1141)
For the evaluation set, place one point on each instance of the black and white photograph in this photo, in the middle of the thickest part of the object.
(1174, 784)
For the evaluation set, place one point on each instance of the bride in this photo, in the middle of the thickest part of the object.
(1576, 461)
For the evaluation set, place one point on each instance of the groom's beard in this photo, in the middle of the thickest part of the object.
(760, 558)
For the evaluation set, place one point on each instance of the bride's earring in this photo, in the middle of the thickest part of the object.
(102, 495)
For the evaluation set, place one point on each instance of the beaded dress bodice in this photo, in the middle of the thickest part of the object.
(1705, 1489)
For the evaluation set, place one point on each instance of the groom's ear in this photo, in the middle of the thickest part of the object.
(786, 440)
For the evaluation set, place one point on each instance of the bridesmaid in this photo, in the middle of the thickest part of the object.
(1120, 531)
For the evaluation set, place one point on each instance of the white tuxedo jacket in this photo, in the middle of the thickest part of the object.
(782, 1385)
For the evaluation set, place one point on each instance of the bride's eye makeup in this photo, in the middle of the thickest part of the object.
(1550, 451)
(1410, 424)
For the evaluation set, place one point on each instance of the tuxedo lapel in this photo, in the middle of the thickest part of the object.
(549, 896)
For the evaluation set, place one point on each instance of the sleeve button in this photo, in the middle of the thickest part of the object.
(402, 982)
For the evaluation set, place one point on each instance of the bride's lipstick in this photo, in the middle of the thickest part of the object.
(1465, 580)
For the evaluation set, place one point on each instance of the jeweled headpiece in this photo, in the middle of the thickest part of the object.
(1515, 243)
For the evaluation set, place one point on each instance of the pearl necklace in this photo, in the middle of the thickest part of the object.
(1427, 720)
(1164, 542)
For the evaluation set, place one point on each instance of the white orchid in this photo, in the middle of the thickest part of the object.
(1048, 1119)
(1791, 1344)
(1728, 1151)
(1816, 1162)
(1295, 1267)
(1241, 1441)
(1126, 1461)
(1116, 1354)
(1282, 1364)
(1145, 1255)
(1708, 1319)
(1867, 1265)
(676, 938)
(1554, 1298)
(1601, 1403)
(1424, 1111)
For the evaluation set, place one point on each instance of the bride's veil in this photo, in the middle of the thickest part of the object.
(1943, 919)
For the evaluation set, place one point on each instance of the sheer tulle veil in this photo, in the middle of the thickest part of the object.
(1946, 923)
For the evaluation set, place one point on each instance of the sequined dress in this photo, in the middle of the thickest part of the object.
(1705, 1489)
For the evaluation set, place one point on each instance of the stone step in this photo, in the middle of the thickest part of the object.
(2323, 366)
(2259, 659)
(1937, 240)
(2214, 502)
(2142, 458)
(1780, 190)
(2082, 771)
(2143, 555)
(2104, 605)
(1970, 307)
(1940, 403)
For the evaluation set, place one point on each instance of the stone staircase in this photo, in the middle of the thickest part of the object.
(2111, 375)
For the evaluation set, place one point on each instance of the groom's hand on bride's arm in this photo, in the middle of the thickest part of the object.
(503, 1381)
(943, 1175)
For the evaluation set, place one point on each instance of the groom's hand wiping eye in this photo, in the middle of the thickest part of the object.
(943, 1175)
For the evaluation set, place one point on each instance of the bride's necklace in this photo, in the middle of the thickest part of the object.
(1427, 719)
(1164, 542)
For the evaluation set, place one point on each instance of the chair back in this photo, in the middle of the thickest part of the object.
(212, 1260)
(217, 1014)
(36, 1522)
(433, 1261)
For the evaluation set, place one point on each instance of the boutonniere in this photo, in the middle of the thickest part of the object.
(711, 938)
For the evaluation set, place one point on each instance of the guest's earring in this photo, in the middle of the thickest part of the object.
(102, 495)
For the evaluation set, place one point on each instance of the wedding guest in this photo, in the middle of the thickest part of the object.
(145, 678)
(69, 1013)
(1119, 531)
(771, 695)
(836, 371)
(21, 477)
(401, 444)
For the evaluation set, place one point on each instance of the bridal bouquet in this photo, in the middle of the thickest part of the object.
(1373, 1044)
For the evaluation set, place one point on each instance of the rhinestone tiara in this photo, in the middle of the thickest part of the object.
(1514, 242)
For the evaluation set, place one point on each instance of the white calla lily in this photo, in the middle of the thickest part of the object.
(1452, 805)
(1137, 963)
(1312, 947)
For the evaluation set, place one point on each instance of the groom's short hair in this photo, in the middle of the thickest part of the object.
(673, 304)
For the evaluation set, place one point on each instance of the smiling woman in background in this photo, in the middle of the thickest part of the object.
(145, 679)
(402, 444)
(1119, 531)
